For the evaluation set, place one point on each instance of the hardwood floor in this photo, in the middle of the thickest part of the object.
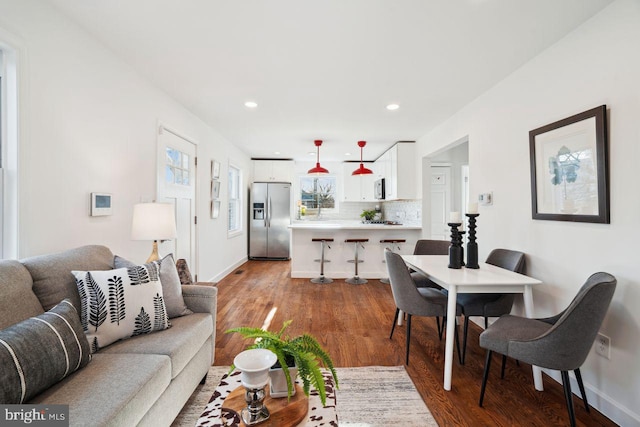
(353, 322)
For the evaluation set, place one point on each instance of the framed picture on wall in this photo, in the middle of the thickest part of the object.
(215, 208)
(569, 169)
(215, 190)
(215, 169)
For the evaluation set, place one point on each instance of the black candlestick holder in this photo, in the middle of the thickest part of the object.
(455, 249)
(472, 246)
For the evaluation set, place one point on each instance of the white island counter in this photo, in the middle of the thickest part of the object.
(304, 251)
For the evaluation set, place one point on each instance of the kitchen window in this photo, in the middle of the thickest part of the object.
(317, 195)
(235, 200)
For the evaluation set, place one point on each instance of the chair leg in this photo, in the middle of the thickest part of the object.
(504, 362)
(581, 385)
(408, 337)
(444, 323)
(395, 320)
(568, 397)
(456, 335)
(464, 338)
(485, 375)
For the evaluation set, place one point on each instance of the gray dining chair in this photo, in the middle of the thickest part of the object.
(561, 342)
(428, 247)
(414, 301)
(490, 305)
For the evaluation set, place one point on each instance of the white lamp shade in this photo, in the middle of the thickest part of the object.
(153, 221)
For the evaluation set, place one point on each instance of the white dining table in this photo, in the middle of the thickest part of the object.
(486, 279)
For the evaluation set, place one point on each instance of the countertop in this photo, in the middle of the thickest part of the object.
(347, 225)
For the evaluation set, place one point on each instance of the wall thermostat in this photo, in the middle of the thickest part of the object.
(100, 204)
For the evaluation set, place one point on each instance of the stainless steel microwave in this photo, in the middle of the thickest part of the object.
(378, 189)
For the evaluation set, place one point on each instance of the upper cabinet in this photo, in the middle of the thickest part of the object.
(273, 170)
(358, 188)
(398, 167)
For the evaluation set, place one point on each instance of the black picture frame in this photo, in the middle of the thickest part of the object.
(569, 169)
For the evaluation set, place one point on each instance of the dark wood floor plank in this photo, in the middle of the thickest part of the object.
(353, 323)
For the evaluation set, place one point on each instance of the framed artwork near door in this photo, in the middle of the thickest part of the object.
(215, 209)
(215, 189)
(569, 168)
(215, 169)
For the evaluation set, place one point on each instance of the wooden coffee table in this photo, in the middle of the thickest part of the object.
(284, 412)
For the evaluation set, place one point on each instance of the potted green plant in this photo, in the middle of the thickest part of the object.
(368, 215)
(304, 350)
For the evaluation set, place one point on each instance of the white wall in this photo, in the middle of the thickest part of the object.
(598, 63)
(88, 123)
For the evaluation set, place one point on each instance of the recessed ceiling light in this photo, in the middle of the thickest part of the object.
(312, 153)
(251, 104)
(276, 152)
(347, 154)
(392, 107)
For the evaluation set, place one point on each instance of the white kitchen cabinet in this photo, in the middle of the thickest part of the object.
(358, 188)
(399, 171)
(273, 170)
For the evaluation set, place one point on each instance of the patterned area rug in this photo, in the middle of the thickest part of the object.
(368, 397)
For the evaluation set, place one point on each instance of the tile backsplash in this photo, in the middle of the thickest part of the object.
(408, 212)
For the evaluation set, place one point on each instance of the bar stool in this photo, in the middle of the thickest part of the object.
(391, 242)
(322, 278)
(356, 280)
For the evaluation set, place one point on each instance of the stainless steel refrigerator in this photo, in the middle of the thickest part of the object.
(269, 220)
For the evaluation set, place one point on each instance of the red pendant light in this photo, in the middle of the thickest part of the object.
(362, 170)
(318, 170)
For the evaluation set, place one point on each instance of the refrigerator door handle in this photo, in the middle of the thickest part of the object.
(269, 213)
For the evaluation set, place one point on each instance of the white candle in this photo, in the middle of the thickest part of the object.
(454, 218)
(472, 208)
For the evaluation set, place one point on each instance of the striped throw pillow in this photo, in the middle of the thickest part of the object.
(40, 351)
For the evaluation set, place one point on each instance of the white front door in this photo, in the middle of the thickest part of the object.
(177, 185)
(440, 201)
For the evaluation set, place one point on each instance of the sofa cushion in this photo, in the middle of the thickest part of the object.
(52, 278)
(120, 303)
(180, 343)
(17, 300)
(171, 288)
(40, 351)
(114, 389)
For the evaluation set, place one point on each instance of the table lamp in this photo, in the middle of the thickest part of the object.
(153, 221)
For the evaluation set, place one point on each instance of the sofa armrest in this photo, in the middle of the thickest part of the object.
(201, 298)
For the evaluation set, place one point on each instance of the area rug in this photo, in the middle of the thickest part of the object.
(368, 397)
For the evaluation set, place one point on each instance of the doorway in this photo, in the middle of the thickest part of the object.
(176, 177)
(444, 192)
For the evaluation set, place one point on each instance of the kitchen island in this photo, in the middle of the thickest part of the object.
(304, 251)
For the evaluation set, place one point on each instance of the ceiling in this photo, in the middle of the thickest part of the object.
(326, 69)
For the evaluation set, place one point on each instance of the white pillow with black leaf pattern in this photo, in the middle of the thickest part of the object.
(121, 303)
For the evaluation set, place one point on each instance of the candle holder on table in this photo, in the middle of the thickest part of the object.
(254, 366)
(472, 246)
(455, 249)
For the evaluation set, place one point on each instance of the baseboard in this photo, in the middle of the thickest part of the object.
(228, 270)
(604, 404)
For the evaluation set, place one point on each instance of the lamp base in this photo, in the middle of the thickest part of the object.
(154, 253)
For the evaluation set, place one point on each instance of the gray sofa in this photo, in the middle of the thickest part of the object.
(144, 380)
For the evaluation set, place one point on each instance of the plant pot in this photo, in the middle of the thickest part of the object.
(278, 381)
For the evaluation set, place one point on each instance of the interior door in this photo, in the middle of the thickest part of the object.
(176, 176)
(440, 201)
